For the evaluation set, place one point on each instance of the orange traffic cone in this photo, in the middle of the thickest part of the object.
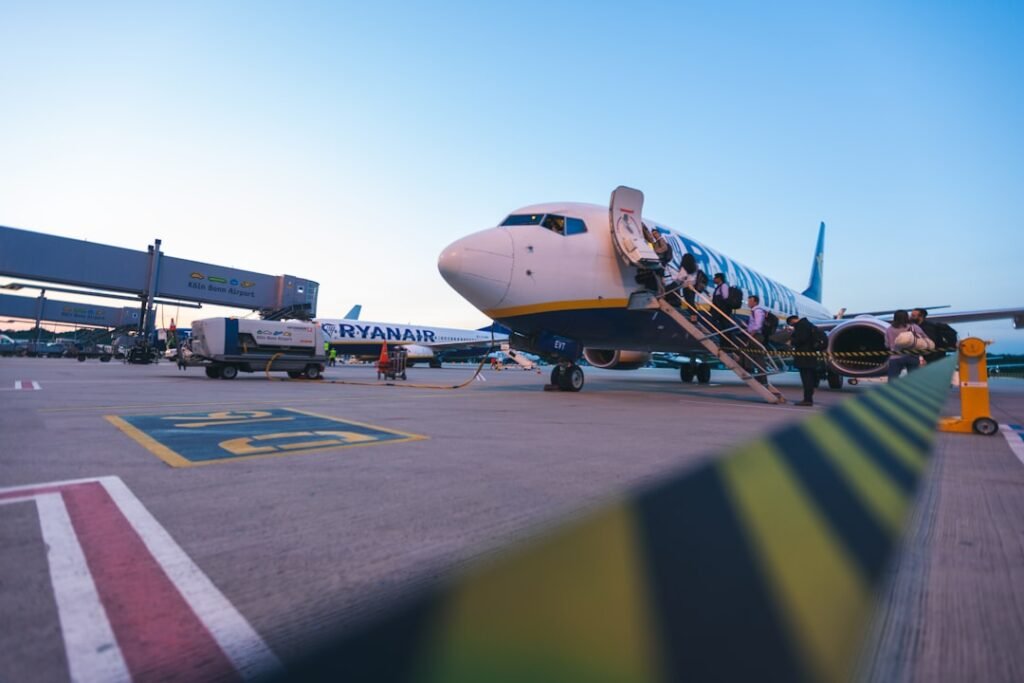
(383, 360)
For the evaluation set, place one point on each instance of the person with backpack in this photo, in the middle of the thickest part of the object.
(807, 341)
(942, 335)
(900, 338)
(756, 321)
(725, 300)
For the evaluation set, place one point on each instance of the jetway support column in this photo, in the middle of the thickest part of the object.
(146, 321)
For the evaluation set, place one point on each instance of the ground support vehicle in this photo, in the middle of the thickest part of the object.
(223, 347)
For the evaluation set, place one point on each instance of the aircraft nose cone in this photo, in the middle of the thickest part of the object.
(479, 266)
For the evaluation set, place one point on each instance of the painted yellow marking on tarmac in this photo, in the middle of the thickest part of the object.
(220, 423)
(223, 415)
(149, 443)
(243, 445)
(410, 435)
(872, 485)
(821, 596)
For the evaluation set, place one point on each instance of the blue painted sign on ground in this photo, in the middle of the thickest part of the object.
(186, 439)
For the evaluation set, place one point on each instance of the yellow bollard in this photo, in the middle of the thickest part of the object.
(974, 408)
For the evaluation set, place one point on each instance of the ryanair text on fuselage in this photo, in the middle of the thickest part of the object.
(355, 331)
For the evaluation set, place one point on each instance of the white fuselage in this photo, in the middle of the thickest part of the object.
(361, 337)
(533, 280)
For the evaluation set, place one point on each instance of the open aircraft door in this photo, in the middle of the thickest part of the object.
(625, 213)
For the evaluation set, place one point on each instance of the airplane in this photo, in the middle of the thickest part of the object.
(363, 339)
(561, 276)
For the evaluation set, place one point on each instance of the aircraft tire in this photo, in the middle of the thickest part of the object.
(571, 379)
(434, 364)
(703, 373)
(228, 372)
(686, 373)
(835, 381)
(81, 358)
(556, 375)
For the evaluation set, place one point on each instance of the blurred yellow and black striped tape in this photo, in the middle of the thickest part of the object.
(758, 566)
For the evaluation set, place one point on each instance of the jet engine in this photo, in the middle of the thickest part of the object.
(863, 333)
(613, 359)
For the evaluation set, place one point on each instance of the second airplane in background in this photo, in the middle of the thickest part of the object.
(363, 339)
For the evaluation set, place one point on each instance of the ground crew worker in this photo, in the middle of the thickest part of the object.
(333, 357)
(805, 360)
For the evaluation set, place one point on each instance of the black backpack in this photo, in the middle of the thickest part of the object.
(735, 298)
(771, 324)
(945, 337)
(701, 282)
(820, 339)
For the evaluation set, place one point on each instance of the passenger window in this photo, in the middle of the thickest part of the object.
(555, 223)
(524, 219)
(574, 226)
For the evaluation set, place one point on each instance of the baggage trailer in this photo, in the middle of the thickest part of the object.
(226, 346)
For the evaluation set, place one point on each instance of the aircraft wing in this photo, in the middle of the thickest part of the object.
(1015, 314)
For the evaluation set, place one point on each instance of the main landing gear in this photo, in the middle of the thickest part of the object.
(699, 371)
(567, 377)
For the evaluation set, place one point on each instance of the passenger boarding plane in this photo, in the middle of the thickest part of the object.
(351, 336)
(561, 276)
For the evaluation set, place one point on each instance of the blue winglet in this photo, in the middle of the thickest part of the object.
(813, 290)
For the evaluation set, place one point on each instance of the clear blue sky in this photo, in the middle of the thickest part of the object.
(349, 142)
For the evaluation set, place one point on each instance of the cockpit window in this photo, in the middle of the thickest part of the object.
(574, 226)
(524, 219)
(554, 223)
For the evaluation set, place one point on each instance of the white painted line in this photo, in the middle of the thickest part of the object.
(35, 385)
(17, 384)
(236, 637)
(92, 651)
(1013, 437)
(48, 485)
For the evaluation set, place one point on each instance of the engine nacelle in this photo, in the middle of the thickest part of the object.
(417, 352)
(613, 359)
(863, 333)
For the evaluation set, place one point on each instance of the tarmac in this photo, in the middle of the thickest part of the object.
(302, 522)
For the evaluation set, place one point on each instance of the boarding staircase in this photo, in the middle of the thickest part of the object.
(738, 350)
(744, 354)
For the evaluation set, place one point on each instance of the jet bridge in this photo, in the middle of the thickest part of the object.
(149, 274)
(42, 309)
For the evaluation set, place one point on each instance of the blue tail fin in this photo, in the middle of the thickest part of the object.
(813, 290)
(354, 313)
(496, 328)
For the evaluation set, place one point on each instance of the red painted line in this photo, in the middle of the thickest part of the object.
(626, 210)
(160, 636)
